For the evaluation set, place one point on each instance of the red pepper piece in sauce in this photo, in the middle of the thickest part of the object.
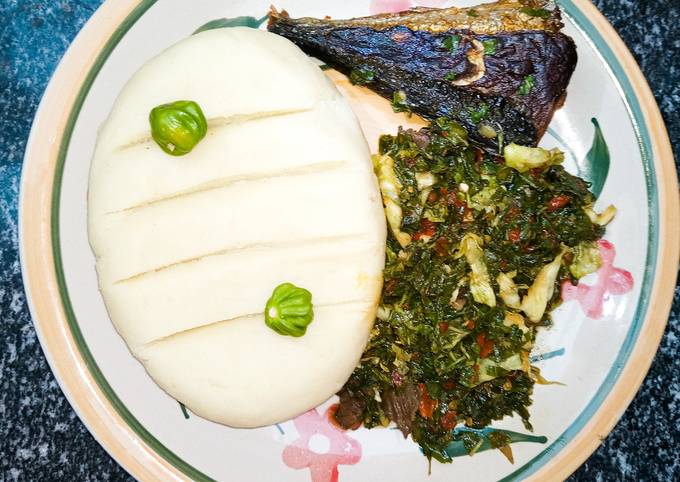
(390, 286)
(427, 404)
(427, 228)
(449, 385)
(485, 346)
(449, 420)
(479, 156)
(452, 199)
(512, 213)
(441, 246)
(536, 172)
(558, 202)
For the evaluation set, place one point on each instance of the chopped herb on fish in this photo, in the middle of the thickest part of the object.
(451, 43)
(490, 46)
(536, 12)
(479, 114)
(527, 85)
(361, 76)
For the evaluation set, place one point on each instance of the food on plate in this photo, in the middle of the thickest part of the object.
(499, 69)
(289, 310)
(208, 262)
(478, 246)
(177, 127)
(483, 225)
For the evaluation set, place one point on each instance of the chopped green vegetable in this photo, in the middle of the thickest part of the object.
(361, 76)
(399, 101)
(586, 260)
(527, 85)
(425, 180)
(454, 132)
(541, 291)
(484, 198)
(473, 13)
(515, 319)
(451, 43)
(479, 114)
(480, 282)
(472, 241)
(489, 369)
(289, 310)
(490, 46)
(178, 126)
(535, 12)
(450, 76)
(524, 158)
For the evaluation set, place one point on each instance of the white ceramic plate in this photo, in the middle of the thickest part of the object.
(602, 343)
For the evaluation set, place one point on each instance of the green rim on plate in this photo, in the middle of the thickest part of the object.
(635, 113)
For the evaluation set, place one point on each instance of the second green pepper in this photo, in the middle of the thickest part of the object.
(289, 310)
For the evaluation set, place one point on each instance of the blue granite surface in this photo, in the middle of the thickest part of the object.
(40, 436)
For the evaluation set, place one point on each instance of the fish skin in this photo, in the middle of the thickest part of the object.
(489, 18)
(417, 63)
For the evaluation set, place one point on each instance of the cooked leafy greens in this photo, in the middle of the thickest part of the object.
(477, 250)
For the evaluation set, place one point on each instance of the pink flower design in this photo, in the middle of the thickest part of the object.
(323, 467)
(610, 281)
(393, 6)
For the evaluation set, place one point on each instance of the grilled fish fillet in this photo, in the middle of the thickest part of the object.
(500, 69)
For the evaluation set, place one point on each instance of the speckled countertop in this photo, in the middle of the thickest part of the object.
(40, 436)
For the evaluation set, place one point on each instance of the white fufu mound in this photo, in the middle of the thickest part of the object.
(190, 248)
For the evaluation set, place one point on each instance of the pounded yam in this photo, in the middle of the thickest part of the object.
(191, 293)
(119, 181)
(263, 378)
(236, 72)
(190, 248)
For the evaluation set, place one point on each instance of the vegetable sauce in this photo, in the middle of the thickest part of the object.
(478, 248)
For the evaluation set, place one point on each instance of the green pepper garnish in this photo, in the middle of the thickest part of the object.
(289, 310)
(178, 126)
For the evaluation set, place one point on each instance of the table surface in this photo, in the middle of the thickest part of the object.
(41, 438)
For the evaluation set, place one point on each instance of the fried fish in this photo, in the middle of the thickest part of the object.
(500, 69)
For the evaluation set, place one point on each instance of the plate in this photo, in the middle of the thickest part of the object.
(601, 345)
